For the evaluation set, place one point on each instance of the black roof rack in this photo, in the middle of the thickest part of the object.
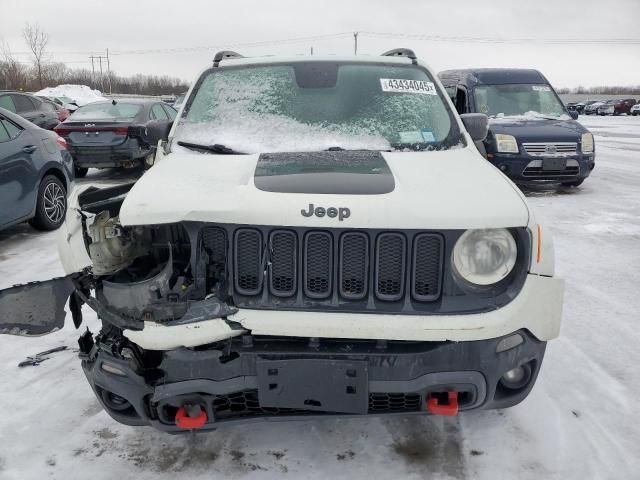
(402, 52)
(224, 54)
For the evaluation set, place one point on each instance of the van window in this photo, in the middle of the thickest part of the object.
(518, 99)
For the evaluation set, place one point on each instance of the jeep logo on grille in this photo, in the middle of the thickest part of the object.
(331, 212)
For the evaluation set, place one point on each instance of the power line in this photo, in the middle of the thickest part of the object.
(493, 40)
(356, 35)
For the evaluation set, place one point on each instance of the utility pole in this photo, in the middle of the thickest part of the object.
(312, 51)
(101, 77)
(109, 71)
(355, 43)
(93, 73)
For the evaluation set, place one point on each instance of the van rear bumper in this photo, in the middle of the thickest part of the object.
(278, 378)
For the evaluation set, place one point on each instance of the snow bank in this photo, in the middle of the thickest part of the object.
(79, 94)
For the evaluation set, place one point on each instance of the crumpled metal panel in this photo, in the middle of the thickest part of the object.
(35, 308)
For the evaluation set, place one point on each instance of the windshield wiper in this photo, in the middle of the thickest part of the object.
(215, 148)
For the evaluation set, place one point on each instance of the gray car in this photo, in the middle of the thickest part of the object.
(34, 109)
(114, 133)
(36, 171)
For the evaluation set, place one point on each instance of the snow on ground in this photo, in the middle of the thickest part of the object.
(79, 94)
(580, 422)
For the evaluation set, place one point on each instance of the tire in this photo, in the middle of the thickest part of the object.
(52, 204)
(80, 172)
(575, 183)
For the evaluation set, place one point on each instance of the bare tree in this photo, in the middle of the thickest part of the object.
(37, 41)
(13, 74)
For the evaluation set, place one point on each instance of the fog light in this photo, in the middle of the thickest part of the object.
(516, 377)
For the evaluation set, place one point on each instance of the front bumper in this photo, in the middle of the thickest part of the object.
(233, 382)
(524, 168)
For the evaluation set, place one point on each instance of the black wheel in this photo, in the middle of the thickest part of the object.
(52, 204)
(80, 172)
(575, 183)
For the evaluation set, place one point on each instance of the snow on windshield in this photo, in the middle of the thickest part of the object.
(264, 110)
(526, 117)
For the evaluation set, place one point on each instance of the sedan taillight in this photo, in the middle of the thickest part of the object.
(62, 142)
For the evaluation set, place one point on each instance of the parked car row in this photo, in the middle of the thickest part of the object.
(627, 106)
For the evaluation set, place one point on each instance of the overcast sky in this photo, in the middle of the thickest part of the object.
(523, 30)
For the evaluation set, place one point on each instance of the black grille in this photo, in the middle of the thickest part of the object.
(347, 270)
(214, 241)
(318, 264)
(394, 402)
(390, 261)
(283, 263)
(427, 257)
(354, 265)
(245, 403)
(248, 261)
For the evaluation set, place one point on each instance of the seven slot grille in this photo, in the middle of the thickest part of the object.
(320, 265)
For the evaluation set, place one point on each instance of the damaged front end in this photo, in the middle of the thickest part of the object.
(133, 277)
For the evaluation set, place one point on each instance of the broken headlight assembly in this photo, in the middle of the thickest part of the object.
(484, 257)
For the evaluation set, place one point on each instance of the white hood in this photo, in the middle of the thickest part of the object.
(454, 189)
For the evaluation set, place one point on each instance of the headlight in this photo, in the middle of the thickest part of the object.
(506, 143)
(587, 143)
(484, 257)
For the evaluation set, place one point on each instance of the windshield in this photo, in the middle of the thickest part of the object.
(107, 111)
(313, 106)
(528, 100)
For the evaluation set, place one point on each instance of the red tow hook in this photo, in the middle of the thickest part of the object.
(191, 417)
(449, 409)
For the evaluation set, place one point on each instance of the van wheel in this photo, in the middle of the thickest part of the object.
(52, 204)
(576, 183)
(80, 172)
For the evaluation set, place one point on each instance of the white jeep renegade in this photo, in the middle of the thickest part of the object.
(318, 236)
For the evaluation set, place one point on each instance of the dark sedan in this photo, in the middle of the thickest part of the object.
(37, 111)
(36, 171)
(114, 133)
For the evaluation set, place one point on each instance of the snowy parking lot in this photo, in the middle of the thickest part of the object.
(580, 422)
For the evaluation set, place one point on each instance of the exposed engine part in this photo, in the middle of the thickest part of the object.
(114, 247)
(133, 298)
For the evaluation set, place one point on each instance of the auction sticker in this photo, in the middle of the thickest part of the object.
(540, 88)
(407, 86)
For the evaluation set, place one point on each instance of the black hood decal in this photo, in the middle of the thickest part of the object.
(341, 172)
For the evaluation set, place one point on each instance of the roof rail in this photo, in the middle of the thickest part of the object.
(402, 52)
(223, 55)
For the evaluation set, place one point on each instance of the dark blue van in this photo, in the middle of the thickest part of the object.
(532, 136)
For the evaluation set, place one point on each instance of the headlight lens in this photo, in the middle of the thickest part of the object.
(506, 143)
(587, 143)
(485, 256)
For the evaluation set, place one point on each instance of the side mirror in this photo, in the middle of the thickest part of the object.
(477, 124)
(573, 114)
(157, 130)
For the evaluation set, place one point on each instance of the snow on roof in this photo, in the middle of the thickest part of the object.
(79, 94)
